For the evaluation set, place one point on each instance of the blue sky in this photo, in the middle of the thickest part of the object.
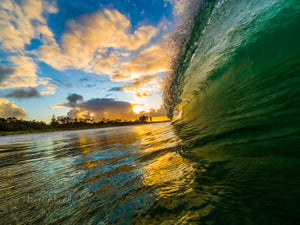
(116, 50)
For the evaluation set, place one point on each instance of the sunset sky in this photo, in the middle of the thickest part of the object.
(94, 58)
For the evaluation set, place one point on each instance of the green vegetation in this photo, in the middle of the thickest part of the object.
(12, 125)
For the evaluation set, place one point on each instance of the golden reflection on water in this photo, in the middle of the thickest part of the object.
(135, 165)
(154, 138)
(170, 172)
(83, 142)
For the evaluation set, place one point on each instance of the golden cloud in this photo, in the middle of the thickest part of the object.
(18, 27)
(138, 83)
(108, 108)
(24, 74)
(85, 46)
(103, 108)
(101, 43)
(16, 24)
(48, 90)
(9, 109)
(151, 61)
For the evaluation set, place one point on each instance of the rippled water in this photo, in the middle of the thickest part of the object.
(141, 175)
(232, 158)
(107, 176)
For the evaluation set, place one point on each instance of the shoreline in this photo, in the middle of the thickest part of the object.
(14, 133)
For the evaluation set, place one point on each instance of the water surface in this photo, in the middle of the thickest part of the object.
(92, 176)
(141, 174)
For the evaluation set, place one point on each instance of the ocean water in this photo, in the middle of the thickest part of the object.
(237, 85)
(231, 158)
(102, 176)
(143, 175)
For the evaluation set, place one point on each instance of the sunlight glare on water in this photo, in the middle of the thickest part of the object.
(107, 175)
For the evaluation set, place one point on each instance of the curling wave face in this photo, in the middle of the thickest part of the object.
(237, 85)
(232, 157)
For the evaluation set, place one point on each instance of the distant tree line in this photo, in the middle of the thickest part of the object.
(14, 124)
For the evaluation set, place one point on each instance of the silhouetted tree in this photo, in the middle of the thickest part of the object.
(54, 122)
(143, 118)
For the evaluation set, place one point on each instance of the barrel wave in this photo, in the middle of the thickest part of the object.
(230, 158)
(237, 85)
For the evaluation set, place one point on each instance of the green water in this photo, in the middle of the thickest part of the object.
(232, 157)
(238, 87)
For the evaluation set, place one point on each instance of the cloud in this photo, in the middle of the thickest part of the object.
(108, 95)
(24, 74)
(92, 81)
(138, 83)
(108, 108)
(151, 61)
(107, 29)
(16, 28)
(9, 109)
(87, 42)
(5, 72)
(60, 106)
(19, 24)
(134, 85)
(101, 43)
(104, 64)
(74, 99)
(104, 43)
(50, 89)
(161, 111)
(99, 108)
(23, 93)
(116, 89)
(59, 82)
